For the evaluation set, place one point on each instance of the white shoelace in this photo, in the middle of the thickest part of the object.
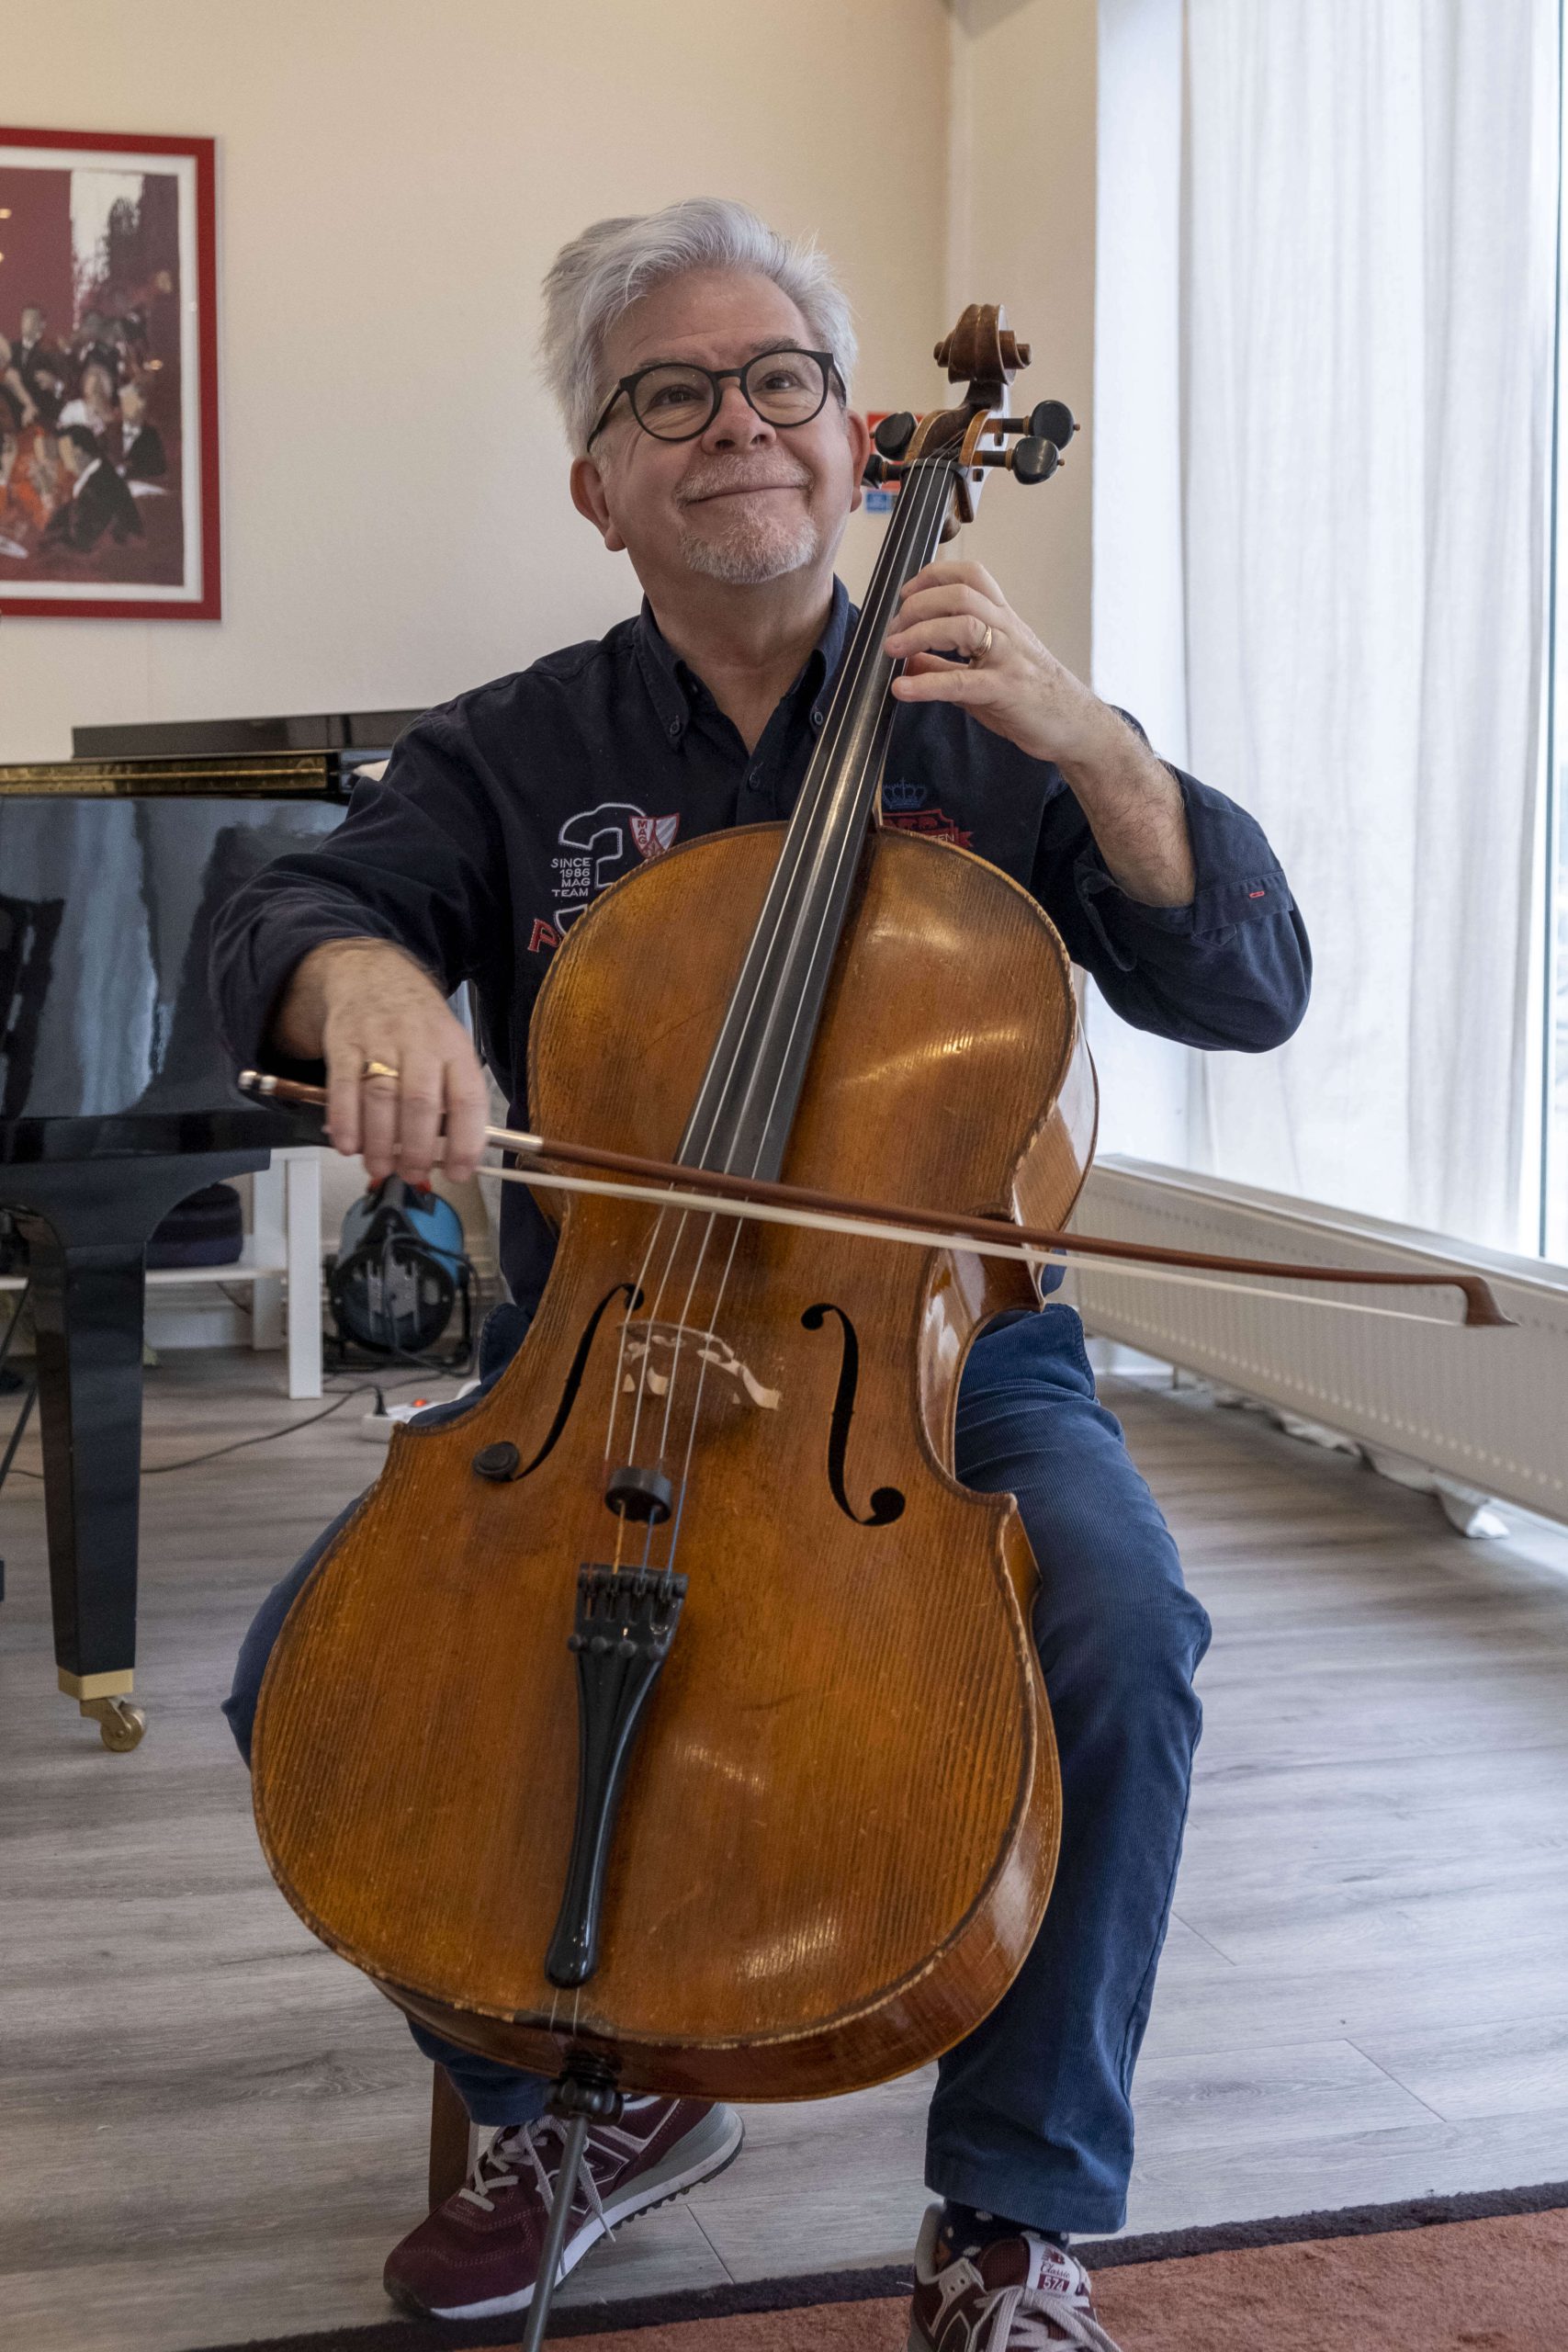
(1017, 2320)
(498, 2166)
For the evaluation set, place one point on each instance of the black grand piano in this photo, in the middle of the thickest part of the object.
(116, 1098)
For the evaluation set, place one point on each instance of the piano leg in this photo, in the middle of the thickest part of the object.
(87, 1310)
(87, 1230)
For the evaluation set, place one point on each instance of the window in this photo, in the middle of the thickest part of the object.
(1555, 1024)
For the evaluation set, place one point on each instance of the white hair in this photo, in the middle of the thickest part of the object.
(601, 273)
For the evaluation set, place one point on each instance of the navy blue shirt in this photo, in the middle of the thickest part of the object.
(503, 814)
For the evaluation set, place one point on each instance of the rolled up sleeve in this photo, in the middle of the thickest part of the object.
(1232, 969)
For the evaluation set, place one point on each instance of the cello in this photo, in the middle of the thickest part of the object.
(609, 1735)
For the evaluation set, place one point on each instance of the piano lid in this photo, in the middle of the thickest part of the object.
(245, 759)
(265, 776)
(369, 733)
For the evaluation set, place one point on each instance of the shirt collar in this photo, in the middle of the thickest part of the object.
(670, 682)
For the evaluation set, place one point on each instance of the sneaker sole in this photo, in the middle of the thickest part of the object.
(709, 2148)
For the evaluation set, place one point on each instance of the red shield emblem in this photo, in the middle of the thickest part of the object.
(653, 835)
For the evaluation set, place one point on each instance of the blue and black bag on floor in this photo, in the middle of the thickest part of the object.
(398, 1272)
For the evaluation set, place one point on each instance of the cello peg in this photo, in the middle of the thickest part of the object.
(895, 433)
(1034, 459)
(1051, 421)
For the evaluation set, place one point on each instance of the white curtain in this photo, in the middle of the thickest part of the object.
(1368, 283)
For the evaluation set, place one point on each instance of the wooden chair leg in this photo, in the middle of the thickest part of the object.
(449, 2139)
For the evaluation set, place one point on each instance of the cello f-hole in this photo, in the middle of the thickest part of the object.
(487, 1462)
(887, 1502)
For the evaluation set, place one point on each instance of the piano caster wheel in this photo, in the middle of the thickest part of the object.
(120, 1725)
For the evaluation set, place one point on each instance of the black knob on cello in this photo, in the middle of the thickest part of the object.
(1034, 459)
(1051, 421)
(497, 1462)
(894, 435)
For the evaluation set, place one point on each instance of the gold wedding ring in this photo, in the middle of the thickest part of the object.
(381, 1070)
(975, 659)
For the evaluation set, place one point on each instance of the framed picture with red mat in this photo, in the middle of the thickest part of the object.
(108, 377)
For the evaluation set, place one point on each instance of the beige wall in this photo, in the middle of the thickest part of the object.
(1022, 231)
(393, 178)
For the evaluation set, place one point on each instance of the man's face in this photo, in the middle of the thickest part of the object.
(32, 323)
(70, 457)
(133, 406)
(744, 502)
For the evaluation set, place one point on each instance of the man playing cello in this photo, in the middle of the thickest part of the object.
(703, 364)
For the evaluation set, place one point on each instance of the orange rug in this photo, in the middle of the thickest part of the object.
(1461, 2274)
(1502, 2285)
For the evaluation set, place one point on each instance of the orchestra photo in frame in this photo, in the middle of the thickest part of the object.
(108, 396)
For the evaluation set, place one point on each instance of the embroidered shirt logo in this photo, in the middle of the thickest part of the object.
(597, 847)
(935, 823)
(902, 796)
(653, 835)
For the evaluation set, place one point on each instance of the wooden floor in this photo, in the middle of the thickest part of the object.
(211, 2130)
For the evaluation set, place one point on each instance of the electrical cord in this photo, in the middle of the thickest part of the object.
(423, 1367)
(262, 1437)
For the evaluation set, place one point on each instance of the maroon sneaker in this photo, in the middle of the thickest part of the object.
(478, 2254)
(1017, 2294)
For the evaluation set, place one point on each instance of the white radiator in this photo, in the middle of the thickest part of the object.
(1487, 1409)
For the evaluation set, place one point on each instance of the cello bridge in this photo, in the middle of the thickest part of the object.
(656, 1353)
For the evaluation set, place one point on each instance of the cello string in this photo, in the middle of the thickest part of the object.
(769, 924)
(918, 512)
(915, 517)
(922, 510)
(936, 490)
(696, 1410)
(917, 523)
(933, 488)
(1025, 1253)
(625, 1325)
(850, 847)
(681, 1323)
(823, 777)
(820, 779)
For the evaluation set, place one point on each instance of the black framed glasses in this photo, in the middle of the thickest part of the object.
(675, 400)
